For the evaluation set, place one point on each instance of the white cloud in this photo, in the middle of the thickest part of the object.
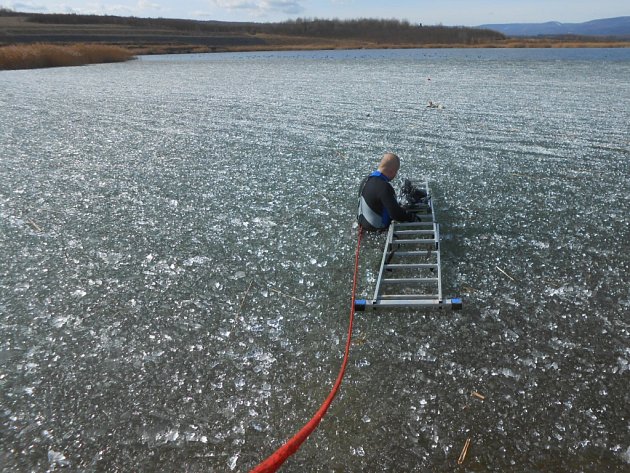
(146, 4)
(236, 4)
(100, 7)
(27, 7)
(262, 7)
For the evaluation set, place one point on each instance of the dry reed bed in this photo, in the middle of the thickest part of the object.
(38, 55)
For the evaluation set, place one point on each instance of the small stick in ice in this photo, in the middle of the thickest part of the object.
(245, 296)
(478, 396)
(286, 295)
(462, 456)
(35, 226)
(506, 274)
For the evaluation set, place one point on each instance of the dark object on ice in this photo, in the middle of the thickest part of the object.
(411, 196)
(432, 104)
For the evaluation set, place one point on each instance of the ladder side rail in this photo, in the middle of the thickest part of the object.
(438, 249)
(388, 246)
(439, 261)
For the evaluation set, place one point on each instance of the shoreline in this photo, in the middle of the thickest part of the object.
(356, 45)
(49, 40)
(44, 55)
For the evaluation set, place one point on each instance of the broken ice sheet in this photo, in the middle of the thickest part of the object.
(57, 458)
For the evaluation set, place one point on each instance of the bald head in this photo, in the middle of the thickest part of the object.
(389, 165)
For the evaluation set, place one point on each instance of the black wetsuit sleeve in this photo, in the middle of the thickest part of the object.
(396, 212)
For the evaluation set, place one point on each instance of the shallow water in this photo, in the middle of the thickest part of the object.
(177, 240)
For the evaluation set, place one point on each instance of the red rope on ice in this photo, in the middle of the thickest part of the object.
(277, 458)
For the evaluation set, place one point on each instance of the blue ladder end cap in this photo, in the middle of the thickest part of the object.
(359, 304)
(456, 303)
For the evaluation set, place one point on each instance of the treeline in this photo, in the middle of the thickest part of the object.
(394, 31)
(381, 31)
(75, 19)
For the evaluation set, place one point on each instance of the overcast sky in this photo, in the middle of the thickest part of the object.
(430, 12)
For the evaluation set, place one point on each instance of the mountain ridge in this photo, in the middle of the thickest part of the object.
(617, 26)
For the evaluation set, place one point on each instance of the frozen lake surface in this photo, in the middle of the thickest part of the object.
(176, 248)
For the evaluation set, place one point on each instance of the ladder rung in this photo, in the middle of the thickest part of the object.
(393, 297)
(413, 253)
(426, 223)
(415, 241)
(409, 281)
(410, 266)
(428, 218)
(416, 226)
(413, 232)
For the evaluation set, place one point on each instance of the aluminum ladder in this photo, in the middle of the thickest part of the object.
(410, 275)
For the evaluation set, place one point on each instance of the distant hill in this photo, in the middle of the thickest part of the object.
(164, 35)
(619, 26)
(191, 35)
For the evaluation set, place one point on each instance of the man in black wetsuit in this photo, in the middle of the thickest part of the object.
(377, 199)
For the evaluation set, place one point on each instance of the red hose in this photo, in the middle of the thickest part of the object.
(277, 458)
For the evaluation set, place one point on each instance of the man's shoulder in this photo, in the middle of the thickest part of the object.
(378, 187)
(376, 180)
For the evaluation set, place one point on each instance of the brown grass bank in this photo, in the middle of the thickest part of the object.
(31, 56)
(560, 43)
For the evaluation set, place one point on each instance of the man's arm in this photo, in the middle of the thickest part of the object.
(395, 211)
